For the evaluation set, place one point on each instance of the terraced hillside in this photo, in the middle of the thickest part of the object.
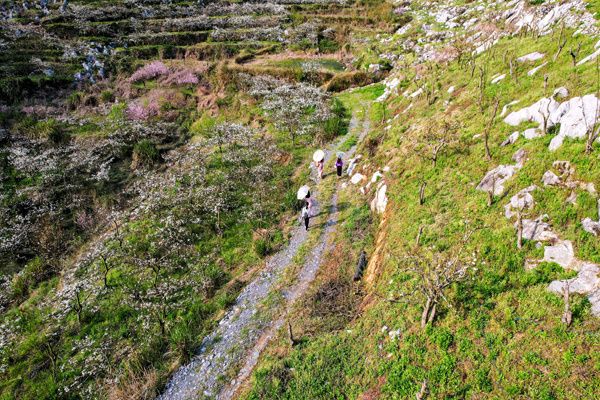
(47, 47)
(150, 153)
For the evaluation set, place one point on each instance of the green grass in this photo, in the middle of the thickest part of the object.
(500, 334)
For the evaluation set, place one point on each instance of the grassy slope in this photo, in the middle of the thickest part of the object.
(501, 335)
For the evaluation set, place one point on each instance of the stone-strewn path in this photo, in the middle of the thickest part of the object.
(247, 328)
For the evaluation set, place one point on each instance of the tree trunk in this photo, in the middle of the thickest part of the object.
(425, 312)
(418, 241)
(519, 230)
(423, 391)
(432, 313)
(567, 316)
(422, 193)
(291, 338)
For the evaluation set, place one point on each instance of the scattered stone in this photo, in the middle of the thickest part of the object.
(572, 199)
(380, 201)
(520, 201)
(391, 87)
(520, 157)
(376, 176)
(538, 230)
(352, 163)
(561, 92)
(374, 68)
(564, 168)
(451, 89)
(591, 226)
(507, 106)
(394, 334)
(561, 253)
(498, 78)
(572, 13)
(531, 57)
(589, 58)
(550, 179)
(576, 117)
(586, 282)
(538, 112)
(494, 180)
(417, 93)
(532, 133)
(356, 178)
(511, 139)
(536, 69)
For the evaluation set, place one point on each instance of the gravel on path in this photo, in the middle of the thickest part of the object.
(246, 328)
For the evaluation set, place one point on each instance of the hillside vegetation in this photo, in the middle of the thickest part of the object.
(150, 155)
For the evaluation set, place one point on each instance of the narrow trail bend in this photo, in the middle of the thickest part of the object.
(246, 329)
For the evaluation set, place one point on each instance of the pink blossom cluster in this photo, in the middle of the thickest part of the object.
(181, 77)
(141, 112)
(149, 71)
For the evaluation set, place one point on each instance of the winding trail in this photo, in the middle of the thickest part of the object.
(246, 329)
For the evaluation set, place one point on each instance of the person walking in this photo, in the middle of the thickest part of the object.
(320, 166)
(305, 214)
(338, 165)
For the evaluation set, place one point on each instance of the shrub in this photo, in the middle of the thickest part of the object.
(346, 80)
(544, 273)
(35, 271)
(146, 152)
(49, 129)
(140, 112)
(181, 77)
(74, 100)
(328, 46)
(107, 96)
(443, 338)
(149, 71)
(117, 113)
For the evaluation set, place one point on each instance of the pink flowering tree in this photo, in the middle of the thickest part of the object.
(149, 71)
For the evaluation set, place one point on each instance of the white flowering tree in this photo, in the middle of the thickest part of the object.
(297, 109)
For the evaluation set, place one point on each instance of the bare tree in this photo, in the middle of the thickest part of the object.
(438, 138)
(562, 41)
(486, 134)
(291, 338)
(545, 113)
(422, 193)
(79, 300)
(575, 53)
(419, 234)
(423, 391)
(594, 130)
(567, 316)
(519, 229)
(513, 70)
(435, 273)
(482, 85)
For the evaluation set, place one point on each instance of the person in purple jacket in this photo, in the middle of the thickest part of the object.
(338, 165)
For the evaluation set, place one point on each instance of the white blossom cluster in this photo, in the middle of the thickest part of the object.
(152, 246)
(59, 174)
(275, 34)
(297, 108)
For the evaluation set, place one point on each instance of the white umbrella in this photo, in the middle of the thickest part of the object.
(302, 192)
(319, 155)
(340, 154)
